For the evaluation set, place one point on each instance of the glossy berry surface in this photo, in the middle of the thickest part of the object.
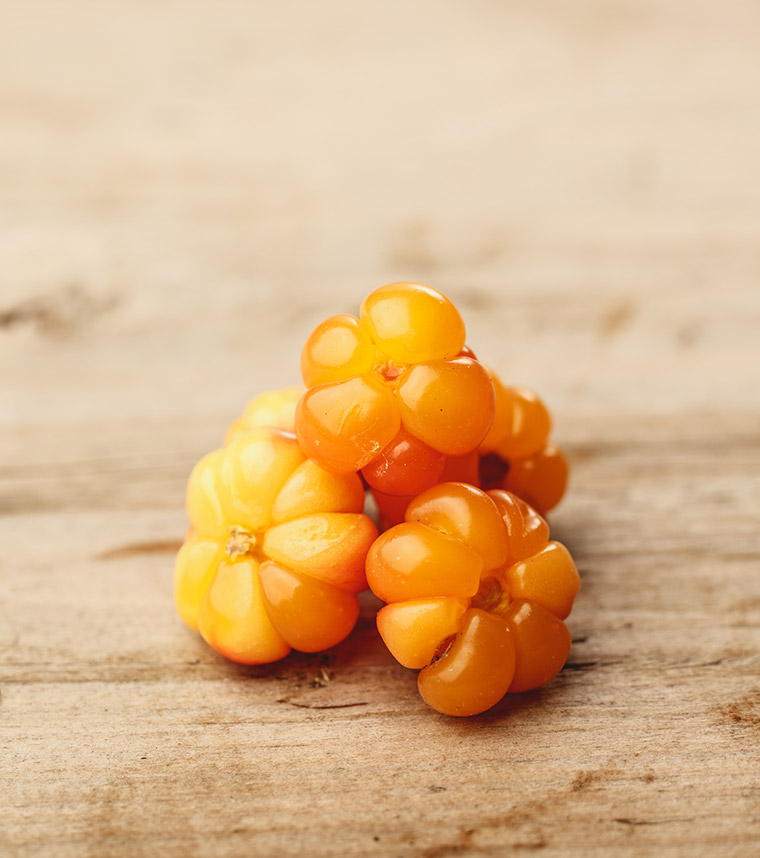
(274, 408)
(477, 595)
(391, 507)
(276, 550)
(516, 454)
(392, 392)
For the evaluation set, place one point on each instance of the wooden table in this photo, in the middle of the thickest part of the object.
(186, 189)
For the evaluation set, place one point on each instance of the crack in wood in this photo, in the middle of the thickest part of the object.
(321, 706)
(158, 546)
(625, 820)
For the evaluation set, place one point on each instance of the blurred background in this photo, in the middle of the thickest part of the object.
(186, 188)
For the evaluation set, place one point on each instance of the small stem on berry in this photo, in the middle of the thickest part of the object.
(390, 370)
(492, 596)
(241, 541)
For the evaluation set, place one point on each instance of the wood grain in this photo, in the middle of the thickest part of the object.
(185, 190)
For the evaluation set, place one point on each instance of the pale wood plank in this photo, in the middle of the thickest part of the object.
(185, 190)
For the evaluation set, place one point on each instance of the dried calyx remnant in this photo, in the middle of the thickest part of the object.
(241, 541)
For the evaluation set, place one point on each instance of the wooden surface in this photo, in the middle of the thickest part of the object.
(186, 188)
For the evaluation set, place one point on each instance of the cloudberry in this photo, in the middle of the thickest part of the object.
(392, 392)
(476, 595)
(276, 550)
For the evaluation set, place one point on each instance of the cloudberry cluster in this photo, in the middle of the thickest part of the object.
(397, 415)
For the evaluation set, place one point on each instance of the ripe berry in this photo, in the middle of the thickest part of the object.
(516, 454)
(476, 596)
(275, 555)
(392, 392)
